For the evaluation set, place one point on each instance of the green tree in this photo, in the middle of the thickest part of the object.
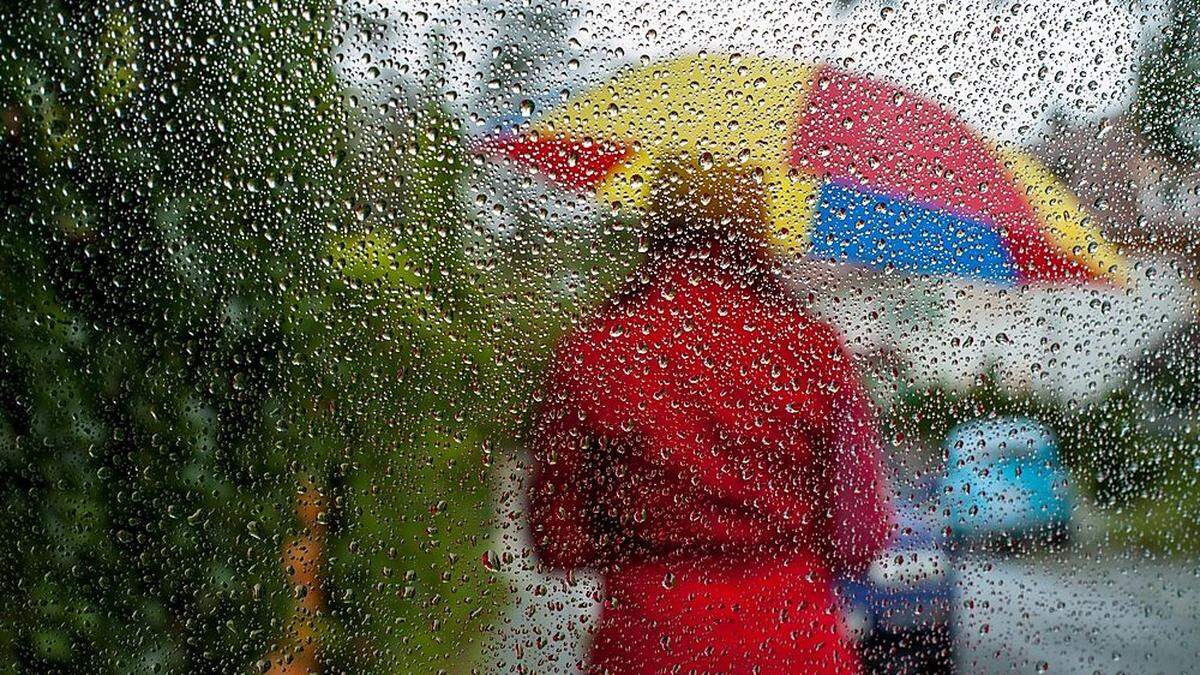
(221, 287)
(1168, 102)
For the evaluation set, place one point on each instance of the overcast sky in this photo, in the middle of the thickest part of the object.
(1005, 66)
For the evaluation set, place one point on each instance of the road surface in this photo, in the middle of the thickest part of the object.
(1113, 614)
(1074, 614)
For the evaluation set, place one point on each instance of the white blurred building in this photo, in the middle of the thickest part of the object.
(1071, 344)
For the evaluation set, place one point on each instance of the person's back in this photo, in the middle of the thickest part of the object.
(708, 449)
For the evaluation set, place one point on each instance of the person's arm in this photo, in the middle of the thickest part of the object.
(557, 515)
(861, 512)
(841, 417)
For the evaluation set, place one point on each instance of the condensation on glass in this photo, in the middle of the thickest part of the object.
(576, 336)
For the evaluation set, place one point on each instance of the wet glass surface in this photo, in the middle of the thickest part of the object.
(599, 336)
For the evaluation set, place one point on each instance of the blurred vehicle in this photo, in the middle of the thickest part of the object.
(1005, 481)
(902, 609)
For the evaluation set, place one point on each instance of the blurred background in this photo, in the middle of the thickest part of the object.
(270, 333)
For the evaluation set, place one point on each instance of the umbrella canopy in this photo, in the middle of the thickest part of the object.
(853, 169)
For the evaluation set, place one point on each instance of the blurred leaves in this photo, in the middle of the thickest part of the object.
(219, 289)
(1168, 102)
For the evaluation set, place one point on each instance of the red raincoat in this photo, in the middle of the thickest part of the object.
(709, 449)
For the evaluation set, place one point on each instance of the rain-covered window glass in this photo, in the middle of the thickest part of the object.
(557, 336)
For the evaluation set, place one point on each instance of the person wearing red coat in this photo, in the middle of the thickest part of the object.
(708, 448)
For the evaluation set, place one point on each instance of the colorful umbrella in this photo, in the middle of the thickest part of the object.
(853, 169)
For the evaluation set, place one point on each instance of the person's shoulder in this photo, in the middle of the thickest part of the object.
(588, 338)
(578, 339)
(809, 336)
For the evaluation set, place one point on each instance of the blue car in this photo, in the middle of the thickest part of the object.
(1004, 479)
(902, 609)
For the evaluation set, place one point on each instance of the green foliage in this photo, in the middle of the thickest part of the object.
(1167, 518)
(215, 290)
(1168, 102)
